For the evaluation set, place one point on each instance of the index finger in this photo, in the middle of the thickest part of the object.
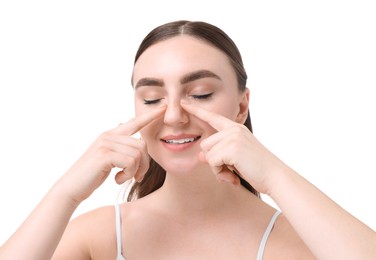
(137, 123)
(217, 121)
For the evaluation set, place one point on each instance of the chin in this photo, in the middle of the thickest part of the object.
(182, 166)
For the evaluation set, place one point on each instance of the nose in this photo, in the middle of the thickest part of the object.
(175, 114)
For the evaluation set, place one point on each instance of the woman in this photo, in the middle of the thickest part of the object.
(198, 172)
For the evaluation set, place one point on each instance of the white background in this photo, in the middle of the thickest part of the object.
(65, 70)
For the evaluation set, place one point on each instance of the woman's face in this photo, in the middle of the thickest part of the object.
(184, 68)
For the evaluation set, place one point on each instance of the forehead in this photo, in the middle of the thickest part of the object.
(179, 55)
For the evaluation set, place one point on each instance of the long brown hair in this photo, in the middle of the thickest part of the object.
(155, 176)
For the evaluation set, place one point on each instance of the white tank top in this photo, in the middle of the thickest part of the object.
(119, 235)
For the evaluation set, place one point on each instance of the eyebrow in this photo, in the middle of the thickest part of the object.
(149, 82)
(192, 76)
(200, 74)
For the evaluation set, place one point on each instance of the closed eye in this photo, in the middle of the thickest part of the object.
(151, 101)
(205, 96)
(156, 101)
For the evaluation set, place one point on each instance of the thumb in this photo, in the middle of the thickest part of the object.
(224, 174)
(123, 175)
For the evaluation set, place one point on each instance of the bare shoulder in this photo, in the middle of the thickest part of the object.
(285, 243)
(89, 236)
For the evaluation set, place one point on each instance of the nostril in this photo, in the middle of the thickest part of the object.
(175, 114)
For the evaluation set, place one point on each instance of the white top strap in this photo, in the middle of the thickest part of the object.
(118, 233)
(260, 253)
(264, 239)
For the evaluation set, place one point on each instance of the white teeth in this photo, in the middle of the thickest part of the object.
(180, 141)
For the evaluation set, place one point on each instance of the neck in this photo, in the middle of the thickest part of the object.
(200, 193)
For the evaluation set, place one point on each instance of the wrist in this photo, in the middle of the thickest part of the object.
(64, 196)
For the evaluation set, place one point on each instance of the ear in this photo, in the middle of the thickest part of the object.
(243, 107)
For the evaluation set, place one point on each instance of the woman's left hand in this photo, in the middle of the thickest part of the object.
(234, 148)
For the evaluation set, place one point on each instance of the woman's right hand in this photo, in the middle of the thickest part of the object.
(114, 148)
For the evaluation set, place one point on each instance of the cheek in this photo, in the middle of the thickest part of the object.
(150, 131)
(226, 108)
(139, 109)
(228, 112)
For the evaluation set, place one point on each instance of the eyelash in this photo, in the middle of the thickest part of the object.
(151, 102)
(205, 96)
(198, 97)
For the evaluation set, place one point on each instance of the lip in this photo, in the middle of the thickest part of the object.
(177, 143)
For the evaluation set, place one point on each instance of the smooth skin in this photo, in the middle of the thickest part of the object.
(185, 87)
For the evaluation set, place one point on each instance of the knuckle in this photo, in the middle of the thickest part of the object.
(104, 136)
(203, 145)
(138, 156)
(131, 161)
(103, 151)
(102, 145)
